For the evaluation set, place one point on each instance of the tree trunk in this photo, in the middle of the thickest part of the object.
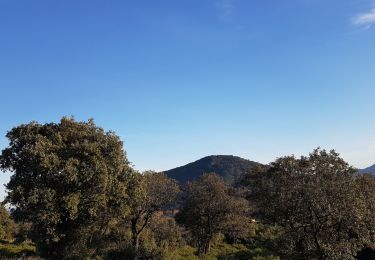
(207, 246)
(200, 247)
(135, 238)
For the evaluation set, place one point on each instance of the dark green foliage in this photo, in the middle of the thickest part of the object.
(208, 208)
(17, 250)
(14, 242)
(23, 232)
(229, 167)
(167, 234)
(74, 194)
(69, 181)
(157, 239)
(149, 193)
(222, 251)
(324, 210)
(8, 228)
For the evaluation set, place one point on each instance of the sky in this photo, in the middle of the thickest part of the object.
(181, 79)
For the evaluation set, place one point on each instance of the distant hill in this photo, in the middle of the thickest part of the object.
(370, 169)
(228, 166)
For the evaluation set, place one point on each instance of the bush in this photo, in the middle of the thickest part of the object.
(8, 227)
(17, 250)
(166, 233)
(222, 251)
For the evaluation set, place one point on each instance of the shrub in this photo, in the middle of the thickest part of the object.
(17, 250)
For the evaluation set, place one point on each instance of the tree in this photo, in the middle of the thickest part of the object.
(8, 227)
(324, 208)
(208, 208)
(149, 193)
(166, 232)
(69, 181)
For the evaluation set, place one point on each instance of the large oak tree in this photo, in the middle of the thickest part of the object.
(209, 208)
(69, 180)
(323, 207)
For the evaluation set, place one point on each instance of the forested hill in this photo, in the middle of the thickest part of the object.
(227, 166)
(370, 169)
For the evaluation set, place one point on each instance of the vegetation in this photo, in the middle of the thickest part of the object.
(222, 251)
(69, 181)
(229, 167)
(370, 170)
(208, 208)
(12, 243)
(324, 209)
(7, 225)
(149, 193)
(74, 195)
(17, 250)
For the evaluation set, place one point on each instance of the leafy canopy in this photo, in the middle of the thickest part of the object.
(324, 208)
(208, 208)
(69, 180)
(149, 193)
(8, 227)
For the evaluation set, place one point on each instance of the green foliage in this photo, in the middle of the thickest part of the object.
(229, 167)
(167, 234)
(263, 236)
(149, 193)
(184, 252)
(10, 250)
(8, 228)
(208, 208)
(23, 232)
(75, 195)
(148, 247)
(222, 251)
(69, 181)
(323, 209)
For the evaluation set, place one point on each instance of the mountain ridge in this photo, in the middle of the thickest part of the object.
(229, 167)
(370, 169)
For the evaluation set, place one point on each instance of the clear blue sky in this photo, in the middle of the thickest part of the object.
(182, 79)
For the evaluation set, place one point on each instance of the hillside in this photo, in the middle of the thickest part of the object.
(228, 166)
(370, 169)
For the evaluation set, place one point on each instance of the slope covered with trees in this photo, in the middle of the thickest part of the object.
(370, 170)
(229, 167)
